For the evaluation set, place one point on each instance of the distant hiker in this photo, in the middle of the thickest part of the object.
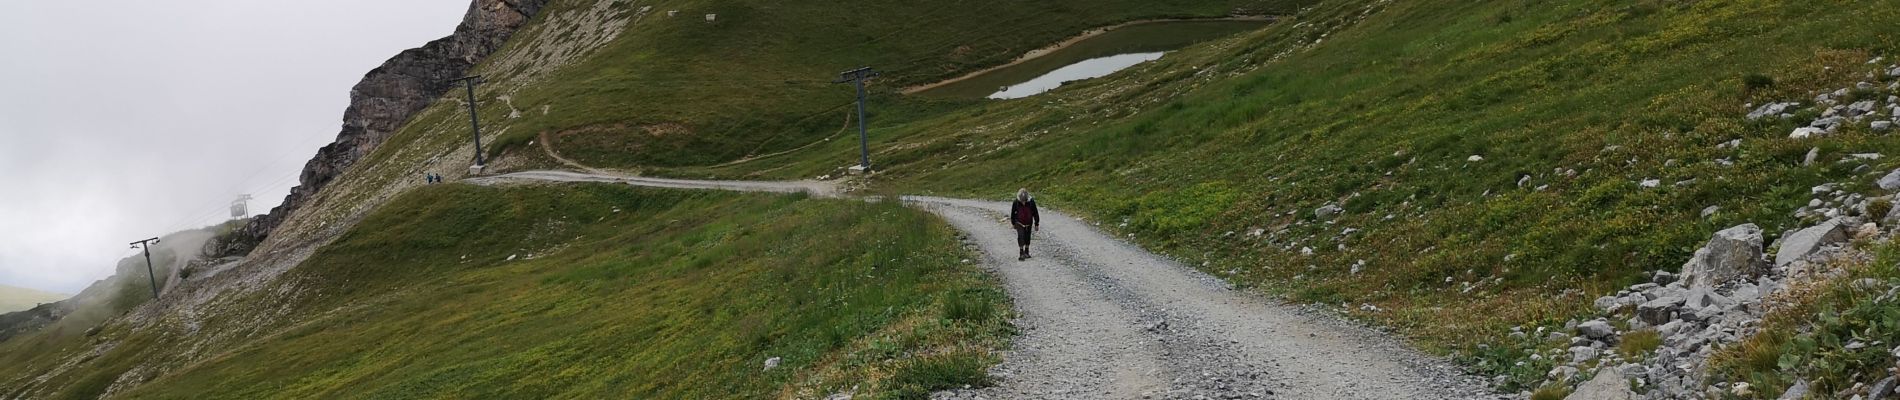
(1023, 216)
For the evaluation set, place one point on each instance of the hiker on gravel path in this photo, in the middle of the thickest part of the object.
(1023, 216)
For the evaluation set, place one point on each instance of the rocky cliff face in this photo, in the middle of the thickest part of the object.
(385, 99)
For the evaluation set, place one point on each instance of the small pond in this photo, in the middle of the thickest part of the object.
(1092, 57)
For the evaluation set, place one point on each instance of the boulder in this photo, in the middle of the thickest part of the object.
(1583, 353)
(1733, 253)
(1699, 298)
(1889, 182)
(1770, 110)
(1596, 329)
(1327, 211)
(1607, 385)
(1608, 304)
(1806, 132)
(1807, 241)
(1881, 390)
(1663, 277)
(1796, 392)
(1659, 311)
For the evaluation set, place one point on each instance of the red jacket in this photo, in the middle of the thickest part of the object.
(1023, 213)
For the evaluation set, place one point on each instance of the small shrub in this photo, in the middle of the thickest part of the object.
(1757, 81)
(1639, 343)
(1551, 392)
(1878, 208)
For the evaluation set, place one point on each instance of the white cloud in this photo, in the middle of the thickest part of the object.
(122, 120)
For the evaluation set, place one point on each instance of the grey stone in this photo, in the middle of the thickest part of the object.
(1813, 153)
(1327, 211)
(1663, 277)
(1659, 311)
(1669, 329)
(1561, 373)
(1881, 125)
(1608, 304)
(1609, 384)
(1860, 107)
(1770, 110)
(1710, 210)
(1889, 182)
(1881, 390)
(1596, 329)
(1704, 298)
(1732, 253)
(1806, 132)
(771, 363)
(1807, 241)
(1583, 353)
(1797, 391)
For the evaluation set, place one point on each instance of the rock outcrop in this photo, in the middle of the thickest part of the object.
(385, 100)
(1807, 241)
(1733, 253)
(1608, 385)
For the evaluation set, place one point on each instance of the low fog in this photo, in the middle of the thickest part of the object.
(124, 120)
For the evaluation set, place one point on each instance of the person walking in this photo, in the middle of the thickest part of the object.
(1023, 216)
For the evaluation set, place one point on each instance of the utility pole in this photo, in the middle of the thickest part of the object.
(147, 246)
(474, 125)
(240, 207)
(864, 147)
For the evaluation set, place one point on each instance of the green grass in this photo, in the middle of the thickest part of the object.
(673, 92)
(1553, 392)
(1635, 345)
(590, 290)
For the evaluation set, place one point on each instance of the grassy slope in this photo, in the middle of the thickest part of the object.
(759, 79)
(611, 292)
(1192, 153)
(18, 298)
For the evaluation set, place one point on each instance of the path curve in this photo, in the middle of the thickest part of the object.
(1104, 319)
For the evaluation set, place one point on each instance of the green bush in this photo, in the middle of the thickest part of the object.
(1757, 81)
(1878, 208)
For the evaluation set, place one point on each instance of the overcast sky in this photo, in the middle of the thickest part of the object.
(122, 120)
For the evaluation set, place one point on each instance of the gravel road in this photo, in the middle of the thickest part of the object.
(1104, 319)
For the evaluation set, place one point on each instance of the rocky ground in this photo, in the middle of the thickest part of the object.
(1726, 287)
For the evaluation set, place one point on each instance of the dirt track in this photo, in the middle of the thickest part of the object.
(1102, 318)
